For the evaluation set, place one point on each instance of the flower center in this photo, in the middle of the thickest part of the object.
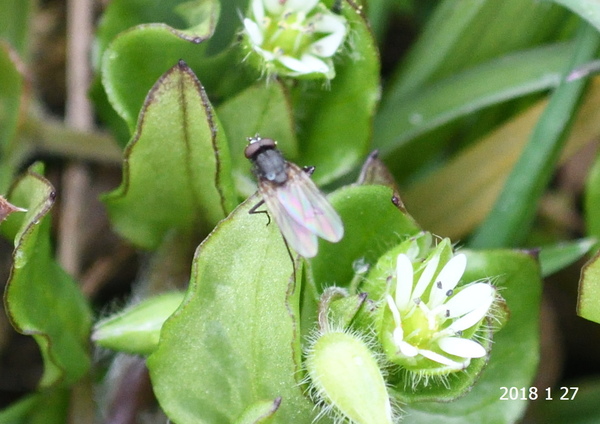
(419, 327)
(289, 35)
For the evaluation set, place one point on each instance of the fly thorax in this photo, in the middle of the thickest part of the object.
(271, 166)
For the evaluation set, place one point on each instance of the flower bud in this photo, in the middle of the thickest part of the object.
(346, 379)
(137, 329)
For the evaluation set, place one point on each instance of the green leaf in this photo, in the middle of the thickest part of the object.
(121, 15)
(514, 211)
(461, 34)
(129, 70)
(17, 413)
(135, 69)
(46, 407)
(15, 24)
(470, 182)
(592, 200)
(450, 19)
(586, 9)
(41, 300)
(378, 13)
(558, 256)
(12, 86)
(177, 170)
(335, 122)
(579, 405)
(136, 329)
(372, 223)
(588, 302)
(404, 118)
(235, 340)
(263, 109)
(515, 351)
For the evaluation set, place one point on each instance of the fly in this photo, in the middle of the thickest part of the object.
(300, 210)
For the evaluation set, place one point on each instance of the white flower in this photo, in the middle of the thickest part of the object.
(430, 318)
(295, 37)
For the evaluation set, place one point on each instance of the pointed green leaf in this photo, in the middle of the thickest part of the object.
(235, 339)
(177, 171)
(558, 256)
(335, 121)
(469, 189)
(136, 329)
(40, 298)
(461, 34)
(514, 211)
(404, 118)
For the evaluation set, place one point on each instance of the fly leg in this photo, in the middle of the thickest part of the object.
(308, 169)
(253, 210)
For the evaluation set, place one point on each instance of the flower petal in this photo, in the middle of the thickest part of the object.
(316, 64)
(426, 276)
(258, 10)
(470, 319)
(404, 281)
(273, 6)
(408, 350)
(394, 309)
(327, 46)
(434, 356)
(465, 348)
(307, 65)
(447, 279)
(329, 23)
(254, 32)
(398, 336)
(300, 5)
(470, 298)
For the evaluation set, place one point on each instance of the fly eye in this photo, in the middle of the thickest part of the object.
(258, 144)
(251, 150)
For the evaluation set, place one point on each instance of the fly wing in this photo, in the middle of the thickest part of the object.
(308, 207)
(299, 238)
